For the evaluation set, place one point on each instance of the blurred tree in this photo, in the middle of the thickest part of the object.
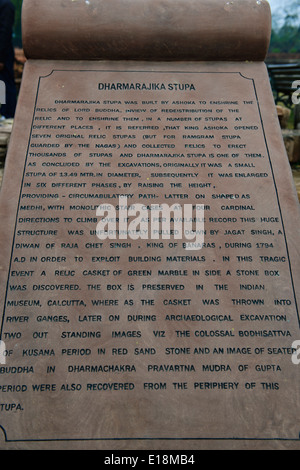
(286, 35)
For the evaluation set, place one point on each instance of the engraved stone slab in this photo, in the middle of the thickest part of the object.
(124, 343)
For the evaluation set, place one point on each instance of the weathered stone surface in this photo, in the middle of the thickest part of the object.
(148, 30)
(189, 330)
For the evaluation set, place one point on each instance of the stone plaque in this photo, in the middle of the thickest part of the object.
(127, 328)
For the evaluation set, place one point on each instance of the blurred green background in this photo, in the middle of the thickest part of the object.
(17, 29)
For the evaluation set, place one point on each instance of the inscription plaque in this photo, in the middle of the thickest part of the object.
(136, 342)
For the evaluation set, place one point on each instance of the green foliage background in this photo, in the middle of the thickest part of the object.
(17, 29)
(285, 38)
(286, 31)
